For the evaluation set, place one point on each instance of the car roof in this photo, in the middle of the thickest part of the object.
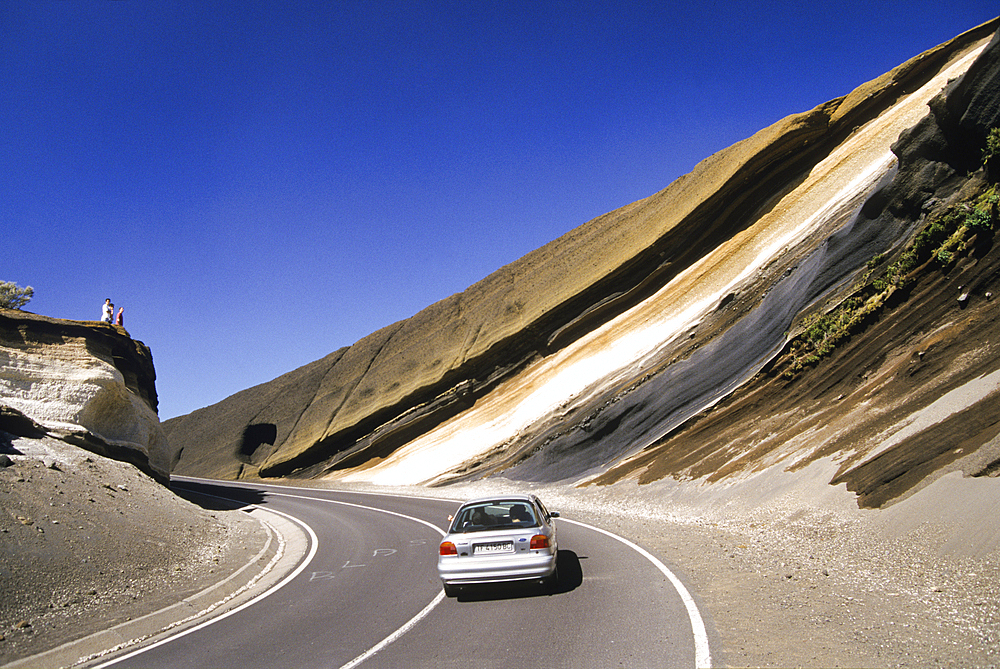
(516, 497)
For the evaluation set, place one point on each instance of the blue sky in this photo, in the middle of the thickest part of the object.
(261, 183)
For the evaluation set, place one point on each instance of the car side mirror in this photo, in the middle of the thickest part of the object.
(553, 514)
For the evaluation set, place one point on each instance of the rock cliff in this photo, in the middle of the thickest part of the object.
(654, 341)
(86, 383)
(909, 393)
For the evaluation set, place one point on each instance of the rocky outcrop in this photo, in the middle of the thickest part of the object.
(364, 404)
(87, 383)
(233, 437)
(913, 395)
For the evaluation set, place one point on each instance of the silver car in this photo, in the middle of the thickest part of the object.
(504, 538)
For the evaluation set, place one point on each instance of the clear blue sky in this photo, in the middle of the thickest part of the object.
(261, 183)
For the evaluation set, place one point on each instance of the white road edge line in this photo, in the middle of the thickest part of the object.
(702, 655)
(412, 621)
(312, 552)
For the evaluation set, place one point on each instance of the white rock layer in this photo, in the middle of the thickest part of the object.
(66, 388)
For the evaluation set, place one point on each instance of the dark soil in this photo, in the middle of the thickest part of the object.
(87, 543)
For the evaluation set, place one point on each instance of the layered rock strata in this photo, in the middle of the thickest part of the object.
(354, 412)
(914, 395)
(87, 383)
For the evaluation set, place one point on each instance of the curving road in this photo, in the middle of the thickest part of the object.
(369, 596)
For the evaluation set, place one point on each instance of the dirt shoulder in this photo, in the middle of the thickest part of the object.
(816, 594)
(784, 586)
(787, 571)
(87, 543)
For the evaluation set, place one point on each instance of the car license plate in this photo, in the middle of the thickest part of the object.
(497, 547)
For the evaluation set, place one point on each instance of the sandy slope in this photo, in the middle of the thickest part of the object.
(87, 543)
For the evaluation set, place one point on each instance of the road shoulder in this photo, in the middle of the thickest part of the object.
(285, 545)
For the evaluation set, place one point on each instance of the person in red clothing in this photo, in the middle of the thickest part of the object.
(119, 320)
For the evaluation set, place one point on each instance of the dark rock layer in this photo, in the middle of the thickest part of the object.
(934, 338)
(365, 401)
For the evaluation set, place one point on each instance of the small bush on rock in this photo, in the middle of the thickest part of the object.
(992, 149)
(941, 243)
(13, 296)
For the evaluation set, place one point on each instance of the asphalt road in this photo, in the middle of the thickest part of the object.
(370, 597)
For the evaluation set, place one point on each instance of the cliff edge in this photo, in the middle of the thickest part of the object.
(87, 383)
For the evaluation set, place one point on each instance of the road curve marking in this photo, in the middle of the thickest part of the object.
(702, 655)
(412, 621)
(362, 506)
(399, 632)
(313, 540)
(395, 635)
(384, 642)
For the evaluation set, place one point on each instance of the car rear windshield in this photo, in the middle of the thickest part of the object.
(502, 514)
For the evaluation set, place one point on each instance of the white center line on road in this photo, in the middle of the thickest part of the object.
(395, 635)
(368, 653)
(360, 506)
(702, 655)
(412, 621)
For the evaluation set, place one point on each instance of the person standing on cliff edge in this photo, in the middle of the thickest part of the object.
(108, 312)
(120, 319)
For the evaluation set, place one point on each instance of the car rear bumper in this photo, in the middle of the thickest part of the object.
(470, 570)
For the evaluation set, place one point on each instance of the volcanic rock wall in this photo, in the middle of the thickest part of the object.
(361, 405)
(89, 384)
(914, 394)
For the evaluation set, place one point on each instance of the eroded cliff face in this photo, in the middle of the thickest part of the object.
(610, 344)
(911, 393)
(89, 384)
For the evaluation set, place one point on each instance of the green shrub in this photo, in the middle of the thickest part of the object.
(982, 215)
(13, 296)
(979, 220)
(943, 240)
(992, 145)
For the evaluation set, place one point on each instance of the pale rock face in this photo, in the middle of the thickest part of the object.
(68, 387)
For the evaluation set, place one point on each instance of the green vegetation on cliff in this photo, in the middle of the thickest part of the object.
(944, 239)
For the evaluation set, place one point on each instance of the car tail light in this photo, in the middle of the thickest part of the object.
(448, 548)
(539, 541)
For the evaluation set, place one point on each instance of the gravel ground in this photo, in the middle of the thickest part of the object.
(784, 574)
(87, 543)
(821, 592)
